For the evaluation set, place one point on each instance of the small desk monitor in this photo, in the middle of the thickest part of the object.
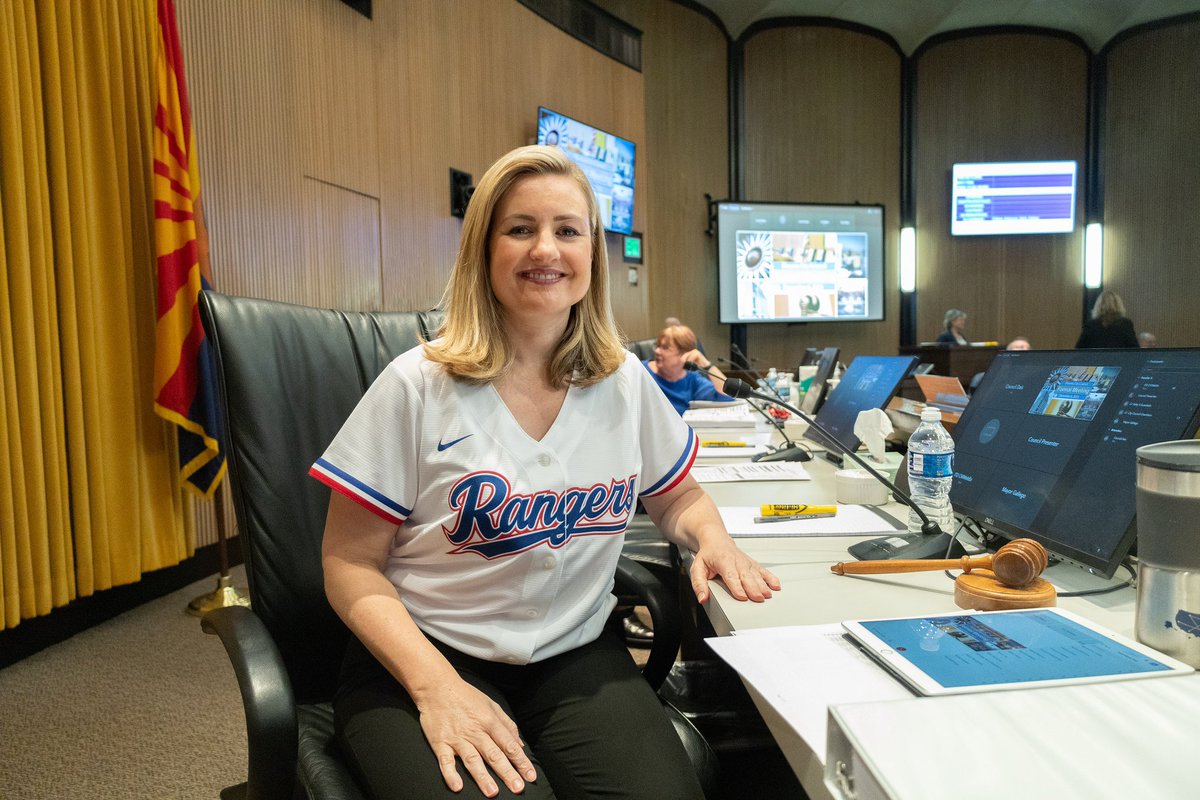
(869, 382)
(1045, 449)
(814, 398)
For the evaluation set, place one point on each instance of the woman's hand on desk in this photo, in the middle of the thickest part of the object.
(687, 516)
(744, 577)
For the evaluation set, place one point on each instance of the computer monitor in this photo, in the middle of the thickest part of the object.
(814, 398)
(869, 382)
(1045, 449)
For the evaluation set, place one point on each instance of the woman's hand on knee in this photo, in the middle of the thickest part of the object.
(462, 722)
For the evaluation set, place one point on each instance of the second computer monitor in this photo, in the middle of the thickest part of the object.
(815, 396)
(869, 382)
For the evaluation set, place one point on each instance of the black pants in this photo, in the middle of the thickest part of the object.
(591, 725)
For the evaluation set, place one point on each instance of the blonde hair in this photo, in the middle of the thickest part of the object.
(1108, 308)
(681, 337)
(473, 344)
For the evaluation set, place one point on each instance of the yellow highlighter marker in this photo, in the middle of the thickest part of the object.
(722, 443)
(795, 510)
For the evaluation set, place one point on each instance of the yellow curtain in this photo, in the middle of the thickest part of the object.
(88, 493)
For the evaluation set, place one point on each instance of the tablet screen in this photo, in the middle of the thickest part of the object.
(990, 649)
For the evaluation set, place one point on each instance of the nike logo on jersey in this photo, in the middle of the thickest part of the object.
(447, 445)
(493, 522)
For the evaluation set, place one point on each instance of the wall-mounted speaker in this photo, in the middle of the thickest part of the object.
(462, 186)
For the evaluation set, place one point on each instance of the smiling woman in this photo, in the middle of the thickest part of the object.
(492, 472)
(541, 252)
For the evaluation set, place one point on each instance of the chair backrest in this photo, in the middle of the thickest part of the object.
(642, 348)
(288, 376)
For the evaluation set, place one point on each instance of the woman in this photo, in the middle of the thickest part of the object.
(676, 346)
(955, 322)
(482, 486)
(1108, 327)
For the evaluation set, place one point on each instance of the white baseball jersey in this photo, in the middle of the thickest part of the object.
(507, 546)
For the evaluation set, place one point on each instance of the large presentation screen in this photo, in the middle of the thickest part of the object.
(780, 262)
(1013, 197)
(605, 159)
(1045, 448)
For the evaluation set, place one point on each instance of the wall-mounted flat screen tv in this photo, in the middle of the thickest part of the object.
(793, 262)
(607, 160)
(1013, 197)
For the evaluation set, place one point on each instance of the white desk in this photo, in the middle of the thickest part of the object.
(813, 595)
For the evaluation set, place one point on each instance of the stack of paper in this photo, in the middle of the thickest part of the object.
(723, 415)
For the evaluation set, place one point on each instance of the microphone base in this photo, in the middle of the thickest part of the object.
(907, 545)
(785, 452)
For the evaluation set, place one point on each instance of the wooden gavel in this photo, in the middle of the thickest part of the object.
(1017, 564)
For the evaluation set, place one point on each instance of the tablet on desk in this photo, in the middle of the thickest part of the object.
(975, 651)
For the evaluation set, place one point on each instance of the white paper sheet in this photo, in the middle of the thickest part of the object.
(850, 521)
(721, 415)
(755, 471)
(803, 670)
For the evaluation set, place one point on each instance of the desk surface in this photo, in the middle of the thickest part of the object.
(813, 595)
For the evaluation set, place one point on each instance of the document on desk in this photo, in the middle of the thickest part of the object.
(803, 670)
(754, 471)
(720, 415)
(850, 520)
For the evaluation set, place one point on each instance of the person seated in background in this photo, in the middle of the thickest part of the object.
(676, 346)
(955, 322)
(1147, 339)
(1019, 343)
(1109, 326)
(671, 322)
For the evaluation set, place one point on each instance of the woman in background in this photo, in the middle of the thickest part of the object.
(676, 346)
(1108, 327)
(955, 323)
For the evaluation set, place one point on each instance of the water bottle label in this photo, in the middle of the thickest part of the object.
(931, 465)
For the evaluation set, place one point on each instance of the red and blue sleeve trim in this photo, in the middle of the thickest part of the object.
(343, 482)
(679, 470)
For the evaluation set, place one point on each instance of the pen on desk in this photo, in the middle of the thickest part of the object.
(794, 509)
(721, 443)
(795, 517)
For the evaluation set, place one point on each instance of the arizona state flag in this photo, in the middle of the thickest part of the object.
(184, 385)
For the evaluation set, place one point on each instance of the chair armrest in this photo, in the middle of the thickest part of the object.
(271, 728)
(634, 579)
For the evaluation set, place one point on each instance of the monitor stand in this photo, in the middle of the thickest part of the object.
(834, 457)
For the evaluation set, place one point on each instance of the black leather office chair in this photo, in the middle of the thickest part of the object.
(288, 377)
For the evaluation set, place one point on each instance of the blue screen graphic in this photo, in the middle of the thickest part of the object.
(987, 649)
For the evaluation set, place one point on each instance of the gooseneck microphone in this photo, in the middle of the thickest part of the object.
(931, 542)
(788, 451)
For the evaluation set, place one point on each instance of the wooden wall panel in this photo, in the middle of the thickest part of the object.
(463, 88)
(976, 101)
(1151, 171)
(342, 262)
(822, 125)
(325, 146)
(685, 154)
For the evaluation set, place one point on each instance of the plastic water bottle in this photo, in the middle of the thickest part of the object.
(931, 471)
(783, 385)
(772, 381)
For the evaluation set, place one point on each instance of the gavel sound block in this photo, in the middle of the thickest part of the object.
(1007, 579)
